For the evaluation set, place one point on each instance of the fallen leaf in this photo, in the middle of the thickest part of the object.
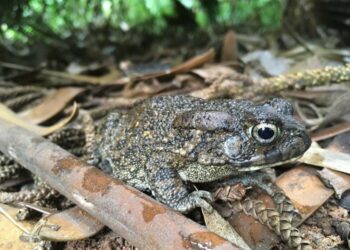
(303, 187)
(229, 49)
(339, 108)
(106, 79)
(340, 143)
(230, 193)
(194, 62)
(10, 234)
(51, 105)
(10, 212)
(326, 158)
(8, 115)
(73, 224)
(220, 226)
(340, 182)
(272, 64)
(182, 68)
(331, 131)
(211, 73)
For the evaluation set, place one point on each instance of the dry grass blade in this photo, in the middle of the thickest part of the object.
(51, 105)
(8, 115)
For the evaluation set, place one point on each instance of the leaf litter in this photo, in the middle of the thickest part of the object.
(208, 73)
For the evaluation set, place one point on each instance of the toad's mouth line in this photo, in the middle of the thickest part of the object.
(257, 167)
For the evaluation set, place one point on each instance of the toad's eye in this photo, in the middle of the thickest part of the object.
(265, 133)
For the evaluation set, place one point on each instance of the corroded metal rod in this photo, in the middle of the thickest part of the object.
(133, 215)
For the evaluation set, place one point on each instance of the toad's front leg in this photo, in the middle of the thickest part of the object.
(167, 186)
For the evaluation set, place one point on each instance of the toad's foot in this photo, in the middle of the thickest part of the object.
(193, 200)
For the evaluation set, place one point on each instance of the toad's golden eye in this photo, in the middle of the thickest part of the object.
(265, 133)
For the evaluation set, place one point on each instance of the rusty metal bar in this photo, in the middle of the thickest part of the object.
(133, 215)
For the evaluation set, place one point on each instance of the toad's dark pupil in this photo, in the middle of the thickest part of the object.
(266, 133)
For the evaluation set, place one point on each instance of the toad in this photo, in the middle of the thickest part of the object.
(165, 142)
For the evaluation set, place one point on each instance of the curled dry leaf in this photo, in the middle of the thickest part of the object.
(8, 115)
(51, 105)
(230, 193)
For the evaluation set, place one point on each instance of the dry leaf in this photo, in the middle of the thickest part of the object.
(8, 115)
(305, 189)
(326, 158)
(107, 79)
(73, 224)
(230, 193)
(220, 226)
(51, 105)
(331, 131)
(339, 108)
(211, 73)
(340, 182)
(271, 63)
(182, 68)
(11, 230)
(229, 49)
